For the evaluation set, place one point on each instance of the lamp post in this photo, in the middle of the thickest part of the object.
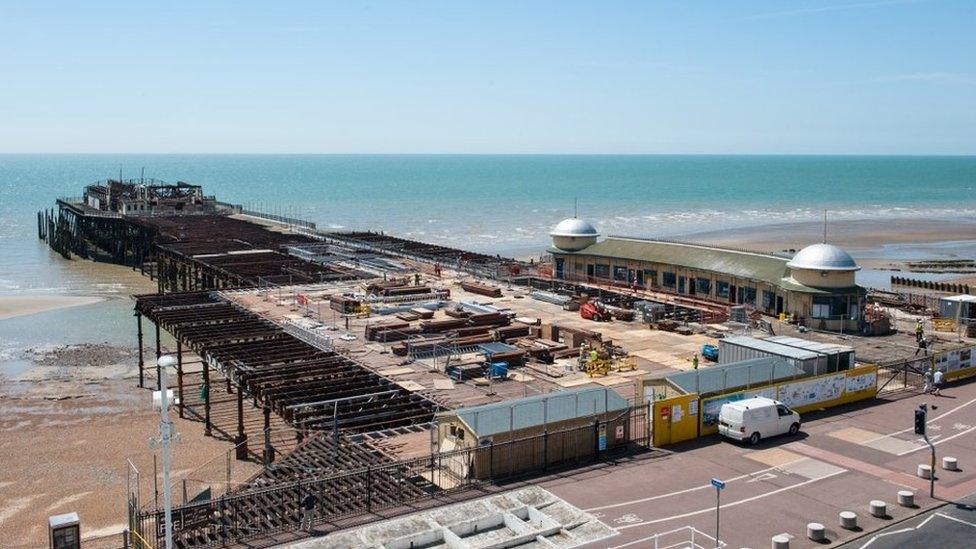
(167, 435)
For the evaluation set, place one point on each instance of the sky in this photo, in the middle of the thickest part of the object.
(721, 77)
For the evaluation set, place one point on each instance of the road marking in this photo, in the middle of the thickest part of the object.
(913, 528)
(686, 490)
(683, 544)
(940, 441)
(937, 418)
(764, 476)
(734, 503)
(966, 522)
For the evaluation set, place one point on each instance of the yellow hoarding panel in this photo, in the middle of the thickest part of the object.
(957, 363)
(675, 419)
(803, 395)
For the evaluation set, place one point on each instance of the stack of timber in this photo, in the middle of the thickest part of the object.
(378, 332)
(481, 289)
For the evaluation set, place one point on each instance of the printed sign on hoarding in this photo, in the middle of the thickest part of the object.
(812, 391)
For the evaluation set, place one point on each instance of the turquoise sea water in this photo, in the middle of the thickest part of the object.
(499, 204)
(494, 203)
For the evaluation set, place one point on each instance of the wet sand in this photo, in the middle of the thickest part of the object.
(67, 426)
(854, 236)
(13, 306)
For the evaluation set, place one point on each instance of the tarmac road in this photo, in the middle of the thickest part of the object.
(843, 459)
(951, 526)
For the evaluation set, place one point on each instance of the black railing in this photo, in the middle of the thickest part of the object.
(253, 511)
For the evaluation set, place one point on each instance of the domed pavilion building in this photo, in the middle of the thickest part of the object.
(816, 285)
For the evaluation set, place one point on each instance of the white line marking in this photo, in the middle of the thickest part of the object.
(734, 503)
(686, 490)
(940, 441)
(937, 418)
(694, 532)
(911, 528)
(967, 523)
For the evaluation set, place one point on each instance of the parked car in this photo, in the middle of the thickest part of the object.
(754, 419)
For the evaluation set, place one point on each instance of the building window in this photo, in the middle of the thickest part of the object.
(749, 296)
(703, 286)
(829, 307)
(769, 300)
(620, 274)
(721, 289)
(669, 280)
(650, 277)
(601, 270)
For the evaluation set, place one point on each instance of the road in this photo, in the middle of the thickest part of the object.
(951, 525)
(843, 459)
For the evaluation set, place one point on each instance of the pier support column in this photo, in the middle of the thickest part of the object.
(241, 440)
(206, 399)
(142, 362)
(268, 449)
(179, 374)
(159, 353)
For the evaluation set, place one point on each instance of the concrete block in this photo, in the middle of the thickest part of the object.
(950, 464)
(924, 471)
(879, 508)
(848, 519)
(906, 498)
(816, 531)
(781, 541)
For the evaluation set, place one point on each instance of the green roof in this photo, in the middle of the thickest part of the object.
(738, 263)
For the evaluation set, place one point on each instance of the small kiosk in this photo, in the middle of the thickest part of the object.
(64, 531)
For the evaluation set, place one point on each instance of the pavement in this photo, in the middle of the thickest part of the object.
(843, 459)
(950, 525)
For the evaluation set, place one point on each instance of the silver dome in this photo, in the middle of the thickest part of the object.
(574, 227)
(823, 257)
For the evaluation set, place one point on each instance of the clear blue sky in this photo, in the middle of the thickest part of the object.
(819, 76)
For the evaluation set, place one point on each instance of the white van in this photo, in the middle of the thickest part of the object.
(756, 418)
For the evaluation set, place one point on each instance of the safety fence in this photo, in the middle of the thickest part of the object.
(253, 511)
(681, 417)
(910, 374)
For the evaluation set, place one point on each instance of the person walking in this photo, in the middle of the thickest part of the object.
(923, 347)
(694, 361)
(309, 502)
(927, 376)
(937, 378)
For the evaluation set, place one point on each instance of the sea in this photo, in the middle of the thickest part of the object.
(502, 204)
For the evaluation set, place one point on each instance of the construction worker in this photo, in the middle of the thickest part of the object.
(919, 330)
(594, 356)
(203, 391)
(923, 347)
(694, 361)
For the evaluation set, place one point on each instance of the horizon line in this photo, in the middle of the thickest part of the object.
(809, 154)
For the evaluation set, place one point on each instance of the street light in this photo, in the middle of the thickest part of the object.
(167, 434)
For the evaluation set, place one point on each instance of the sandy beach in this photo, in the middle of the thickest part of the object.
(67, 426)
(853, 235)
(13, 306)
